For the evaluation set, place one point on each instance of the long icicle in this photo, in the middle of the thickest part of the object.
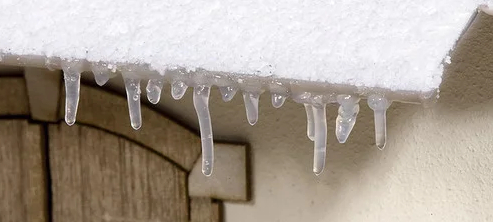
(132, 87)
(379, 105)
(310, 127)
(201, 103)
(153, 89)
(251, 106)
(320, 143)
(71, 76)
(347, 113)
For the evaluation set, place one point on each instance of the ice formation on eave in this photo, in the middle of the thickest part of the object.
(345, 50)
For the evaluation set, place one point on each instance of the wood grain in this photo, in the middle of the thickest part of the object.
(43, 88)
(203, 209)
(23, 194)
(98, 176)
(109, 111)
(14, 96)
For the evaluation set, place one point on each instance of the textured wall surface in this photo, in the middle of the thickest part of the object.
(437, 165)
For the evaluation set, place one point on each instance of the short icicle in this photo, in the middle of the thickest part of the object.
(379, 105)
(101, 74)
(348, 111)
(310, 127)
(132, 87)
(278, 100)
(251, 106)
(201, 103)
(178, 89)
(153, 89)
(320, 142)
(227, 93)
(71, 76)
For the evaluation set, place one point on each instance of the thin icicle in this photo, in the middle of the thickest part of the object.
(71, 76)
(132, 87)
(227, 93)
(379, 105)
(153, 89)
(101, 74)
(178, 89)
(320, 144)
(201, 103)
(348, 111)
(251, 106)
(278, 100)
(310, 127)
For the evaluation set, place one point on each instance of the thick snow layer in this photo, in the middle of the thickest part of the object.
(398, 45)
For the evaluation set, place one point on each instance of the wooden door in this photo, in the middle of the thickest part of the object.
(97, 176)
(97, 170)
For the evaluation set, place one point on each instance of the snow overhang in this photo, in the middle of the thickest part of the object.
(315, 52)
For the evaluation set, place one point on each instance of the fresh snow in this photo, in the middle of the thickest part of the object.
(396, 45)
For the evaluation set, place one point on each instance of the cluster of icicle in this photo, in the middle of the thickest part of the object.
(315, 106)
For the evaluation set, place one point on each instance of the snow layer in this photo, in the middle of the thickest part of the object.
(398, 45)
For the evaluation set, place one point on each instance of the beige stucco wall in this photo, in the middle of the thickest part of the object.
(437, 166)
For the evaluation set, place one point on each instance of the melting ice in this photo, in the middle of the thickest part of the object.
(379, 105)
(132, 87)
(201, 103)
(153, 89)
(251, 106)
(314, 104)
(71, 76)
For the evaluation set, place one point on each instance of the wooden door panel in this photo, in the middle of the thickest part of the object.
(97, 176)
(22, 173)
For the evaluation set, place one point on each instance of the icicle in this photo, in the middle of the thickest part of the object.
(71, 76)
(379, 105)
(348, 111)
(310, 127)
(101, 74)
(278, 100)
(153, 89)
(320, 142)
(251, 106)
(201, 103)
(227, 93)
(132, 87)
(178, 89)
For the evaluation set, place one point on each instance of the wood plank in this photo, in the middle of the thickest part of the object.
(14, 96)
(217, 211)
(98, 176)
(109, 111)
(203, 209)
(228, 181)
(43, 88)
(22, 175)
(200, 209)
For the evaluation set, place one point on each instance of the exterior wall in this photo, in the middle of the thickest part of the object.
(437, 166)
